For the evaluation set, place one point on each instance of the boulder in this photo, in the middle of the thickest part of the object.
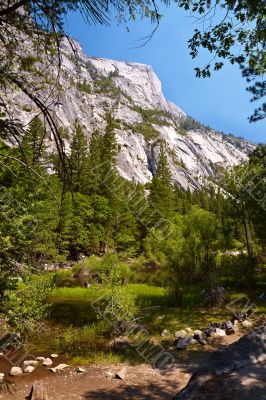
(15, 371)
(47, 362)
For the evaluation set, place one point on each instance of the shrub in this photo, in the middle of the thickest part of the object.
(26, 306)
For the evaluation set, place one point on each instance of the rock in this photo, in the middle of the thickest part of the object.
(38, 392)
(121, 374)
(219, 332)
(189, 331)
(40, 358)
(80, 370)
(229, 328)
(204, 383)
(183, 343)
(165, 332)
(110, 374)
(15, 371)
(180, 334)
(59, 367)
(33, 363)
(198, 333)
(209, 332)
(28, 369)
(1, 376)
(202, 342)
(47, 362)
(54, 355)
(200, 149)
(247, 324)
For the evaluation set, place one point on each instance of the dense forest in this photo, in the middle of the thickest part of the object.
(55, 210)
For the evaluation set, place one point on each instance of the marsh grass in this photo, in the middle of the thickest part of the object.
(86, 339)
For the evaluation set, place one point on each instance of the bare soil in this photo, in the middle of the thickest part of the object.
(141, 382)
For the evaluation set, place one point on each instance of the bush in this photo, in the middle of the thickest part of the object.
(98, 266)
(27, 305)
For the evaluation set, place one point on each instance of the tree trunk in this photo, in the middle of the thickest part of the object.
(38, 392)
(247, 233)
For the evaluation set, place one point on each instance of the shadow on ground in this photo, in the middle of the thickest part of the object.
(147, 392)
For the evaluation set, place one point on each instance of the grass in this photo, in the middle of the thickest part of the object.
(146, 295)
(85, 339)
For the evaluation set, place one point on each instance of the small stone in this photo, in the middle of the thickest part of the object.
(109, 374)
(80, 370)
(180, 334)
(219, 332)
(202, 342)
(28, 369)
(121, 374)
(33, 363)
(229, 328)
(15, 371)
(1, 376)
(54, 355)
(59, 367)
(183, 343)
(247, 324)
(47, 362)
(165, 332)
(209, 332)
(198, 333)
(189, 331)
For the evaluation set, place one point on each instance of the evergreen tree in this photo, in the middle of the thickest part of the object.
(33, 142)
(161, 196)
(79, 160)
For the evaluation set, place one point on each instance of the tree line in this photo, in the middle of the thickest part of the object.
(53, 211)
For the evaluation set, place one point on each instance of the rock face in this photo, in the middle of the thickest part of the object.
(235, 364)
(92, 87)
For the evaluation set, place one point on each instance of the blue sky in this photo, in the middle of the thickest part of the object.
(220, 101)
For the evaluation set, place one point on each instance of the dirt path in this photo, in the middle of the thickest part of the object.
(142, 382)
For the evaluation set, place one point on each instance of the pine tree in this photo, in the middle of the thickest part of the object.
(161, 196)
(79, 160)
(33, 142)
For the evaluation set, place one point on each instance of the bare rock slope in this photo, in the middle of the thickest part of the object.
(92, 87)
